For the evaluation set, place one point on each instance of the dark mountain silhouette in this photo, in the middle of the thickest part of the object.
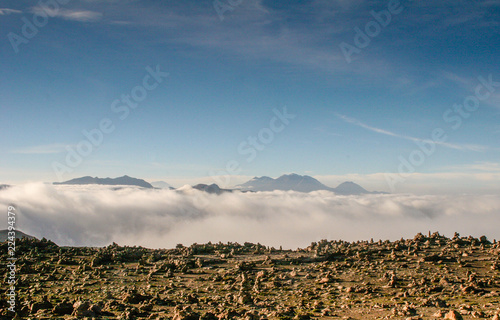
(213, 188)
(124, 181)
(350, 187)
(286, 182)
(295, 182)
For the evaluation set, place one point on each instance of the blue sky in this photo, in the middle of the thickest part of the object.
(230, 74)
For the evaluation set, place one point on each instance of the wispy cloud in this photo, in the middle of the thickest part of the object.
(481, 166)
(68, 14)
(43, 149)
(458, 20)
(254, 31)
(464, 147)
(7, 11)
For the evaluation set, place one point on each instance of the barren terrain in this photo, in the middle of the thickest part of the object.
(427, 277)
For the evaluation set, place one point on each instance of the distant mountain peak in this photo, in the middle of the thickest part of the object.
(350, 187)
(285, 182)
(300, 183)
(213, 188)
(123, 180)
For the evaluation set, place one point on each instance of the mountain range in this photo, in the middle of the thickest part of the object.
(295, 182)
(122, 181)
(287, 182)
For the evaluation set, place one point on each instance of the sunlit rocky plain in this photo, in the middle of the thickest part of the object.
(427, 277)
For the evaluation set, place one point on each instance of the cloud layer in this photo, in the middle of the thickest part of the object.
(99, 215)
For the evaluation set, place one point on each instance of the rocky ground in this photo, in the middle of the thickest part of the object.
(427, 277)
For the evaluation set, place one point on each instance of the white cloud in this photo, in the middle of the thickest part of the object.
(68, 14)
(98, 215)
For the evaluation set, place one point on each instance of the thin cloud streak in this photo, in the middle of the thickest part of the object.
(72, 15)
(7, 11)
(466, 147)
(479, 166)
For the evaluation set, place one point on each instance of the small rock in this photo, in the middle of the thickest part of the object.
(453, 315)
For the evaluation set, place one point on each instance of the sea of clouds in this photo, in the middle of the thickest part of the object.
(99, 215)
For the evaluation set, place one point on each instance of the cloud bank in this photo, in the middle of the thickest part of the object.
(100, 215)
